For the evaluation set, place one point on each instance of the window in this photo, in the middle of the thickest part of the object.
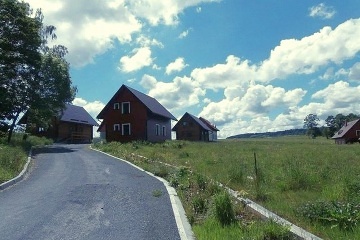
(116, 127)
(157, 129)
(184, 123)
(125, 107)
(163, 130)
(358, 133)
(116, 106)
(126, 130)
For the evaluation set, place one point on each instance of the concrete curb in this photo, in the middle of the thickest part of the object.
(20, 176)
(303, 234)
(182, 222)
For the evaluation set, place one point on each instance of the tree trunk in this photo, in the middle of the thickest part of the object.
(11, 130)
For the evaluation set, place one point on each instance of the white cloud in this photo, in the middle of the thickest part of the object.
(179, 94)
(306, 55)
(355, 72)
(233, 72)
(322, 11)
(90, 28)
(141, 58)
(184, 33)
(93, 108)
(159, 11)
(176, 66)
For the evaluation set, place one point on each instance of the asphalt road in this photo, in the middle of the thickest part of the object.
(72, 192)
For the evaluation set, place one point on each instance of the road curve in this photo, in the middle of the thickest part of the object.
(73, 192)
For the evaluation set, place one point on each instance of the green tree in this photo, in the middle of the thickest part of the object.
(20, 59)
(311, 124)
(330, 126)
(32, 75)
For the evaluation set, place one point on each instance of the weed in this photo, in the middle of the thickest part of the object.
(201, 182)
(199, 204)
(336, 214)
(275, 231)
(224, 211)
(157, 193)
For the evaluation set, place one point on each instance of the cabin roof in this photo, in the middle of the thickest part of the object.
(151, 103)
(77, 114)
(196, 119)
(345, 129)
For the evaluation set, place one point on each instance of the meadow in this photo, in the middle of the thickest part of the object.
(313, 183)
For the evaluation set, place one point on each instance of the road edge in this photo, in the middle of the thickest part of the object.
(183, 225)
(19, 177)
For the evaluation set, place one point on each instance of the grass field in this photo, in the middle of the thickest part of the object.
(310, 182)
(13, 156)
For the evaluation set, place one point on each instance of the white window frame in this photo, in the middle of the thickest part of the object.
(163, 131)
(157, 129)
(358, 133)
(116, 106)
(116, 127)
(122, 107)
(122, 129)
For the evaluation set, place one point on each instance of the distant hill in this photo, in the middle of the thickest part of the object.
(290, 132)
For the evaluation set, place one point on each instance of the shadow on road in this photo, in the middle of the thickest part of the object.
(52, 149)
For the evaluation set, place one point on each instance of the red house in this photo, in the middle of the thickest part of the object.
(349, 133)
(131, 115)
(192, 128)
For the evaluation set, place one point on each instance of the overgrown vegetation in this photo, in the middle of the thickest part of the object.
(210, 209)
(297, 178)
(13, 156)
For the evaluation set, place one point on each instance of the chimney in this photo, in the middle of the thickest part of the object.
(345, 123)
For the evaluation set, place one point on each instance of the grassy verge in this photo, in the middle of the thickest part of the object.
(211, 211)
(13, 156)
(311, 182)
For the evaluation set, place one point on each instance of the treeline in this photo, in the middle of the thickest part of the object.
(311, 127)
(332, 124)
(271, 134)
(33, 76)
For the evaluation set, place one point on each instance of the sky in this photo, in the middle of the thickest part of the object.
(245, 65)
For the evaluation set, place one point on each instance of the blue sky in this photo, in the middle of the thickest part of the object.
(247, 66)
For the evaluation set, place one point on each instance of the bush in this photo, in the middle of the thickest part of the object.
(275, 231)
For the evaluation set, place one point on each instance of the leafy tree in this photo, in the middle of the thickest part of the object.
(330, 129)
(32, 75)
(20, 59)
(311, 124)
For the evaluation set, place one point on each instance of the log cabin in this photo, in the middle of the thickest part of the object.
(192, 128)
(72, 125)
(134, 116)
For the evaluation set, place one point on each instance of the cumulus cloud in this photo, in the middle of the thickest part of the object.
(159, 11)
(306, 55)
(90, 28)
(93, 108)
(355, 72)
(322, 11)
(179, 93)
(176, 66)
(141, 58)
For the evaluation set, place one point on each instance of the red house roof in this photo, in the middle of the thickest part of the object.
(151, 103)
(341, 133)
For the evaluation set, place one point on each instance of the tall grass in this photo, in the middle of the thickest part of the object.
(294, 171)
(13, 156)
